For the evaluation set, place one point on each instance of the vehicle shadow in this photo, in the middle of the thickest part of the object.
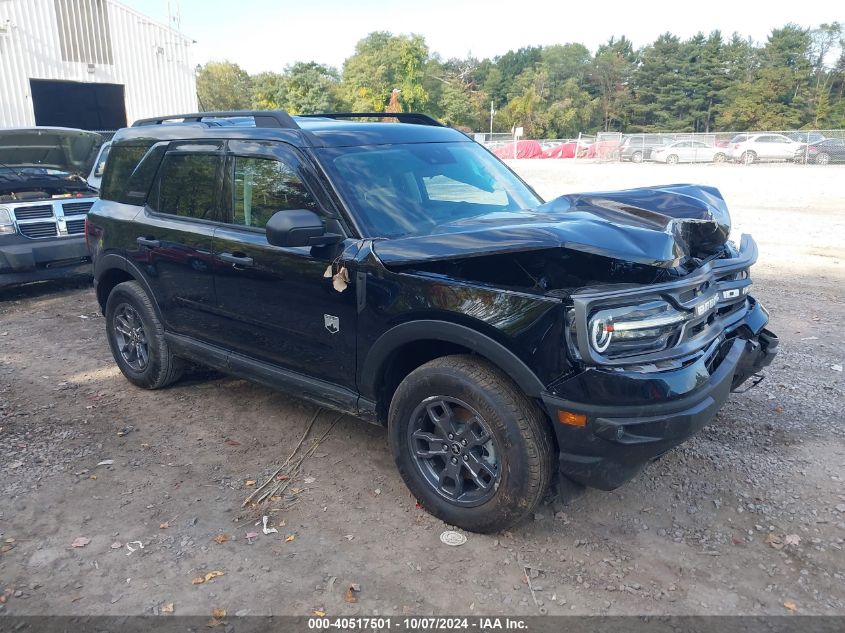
(44, 288)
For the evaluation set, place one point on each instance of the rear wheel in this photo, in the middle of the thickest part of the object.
(472, 448)
(748, 157)
(637, 157)
(672, 159)
(822, 158)
(136, 338)
(719, 158)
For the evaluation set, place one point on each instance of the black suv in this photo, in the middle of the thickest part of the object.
(401, 273)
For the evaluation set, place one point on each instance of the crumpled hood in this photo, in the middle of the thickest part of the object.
(62, 149)
(659, 226)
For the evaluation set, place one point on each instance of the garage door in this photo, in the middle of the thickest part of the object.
(88, 106)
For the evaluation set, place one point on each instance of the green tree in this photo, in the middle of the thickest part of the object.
(566, 62)
(268, 91)
(775, 95)
(382, 62)
(824, 40)
(223, 86)
(612, 67)
(311, 87)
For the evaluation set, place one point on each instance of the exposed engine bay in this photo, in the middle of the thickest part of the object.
(549, 270)
(21, 186)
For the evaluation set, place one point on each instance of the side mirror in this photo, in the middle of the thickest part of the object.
(101, 167)
(298, 227)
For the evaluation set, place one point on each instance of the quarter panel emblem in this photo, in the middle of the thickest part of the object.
(332, 323)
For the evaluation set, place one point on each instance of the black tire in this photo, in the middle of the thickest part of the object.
(637, 157)
(157, 367)
(748, 157)
(521, 444)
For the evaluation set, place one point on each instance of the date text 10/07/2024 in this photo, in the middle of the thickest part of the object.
(417, 624)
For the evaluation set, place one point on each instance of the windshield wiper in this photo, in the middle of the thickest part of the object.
(14, 170)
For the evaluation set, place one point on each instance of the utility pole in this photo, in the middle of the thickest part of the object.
(492, 112)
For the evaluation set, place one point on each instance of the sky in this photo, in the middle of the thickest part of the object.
(262, 35)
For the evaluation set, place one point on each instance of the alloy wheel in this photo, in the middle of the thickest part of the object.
(454, 450)
(130, 337)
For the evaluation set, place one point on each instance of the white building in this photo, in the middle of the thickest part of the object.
(91, 64)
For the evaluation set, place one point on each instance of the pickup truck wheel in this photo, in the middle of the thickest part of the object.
(473, 449)
(136, 338)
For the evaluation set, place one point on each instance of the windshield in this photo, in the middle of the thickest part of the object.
(411, 189)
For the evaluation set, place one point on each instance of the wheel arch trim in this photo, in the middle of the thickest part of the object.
(393, 339)
(113, 261)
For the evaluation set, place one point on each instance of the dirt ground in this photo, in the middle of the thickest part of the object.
(746, 518)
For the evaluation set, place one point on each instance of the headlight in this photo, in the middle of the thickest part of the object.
(6, 225)
(628, 330)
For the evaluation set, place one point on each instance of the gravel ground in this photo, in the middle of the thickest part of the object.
(746, 518)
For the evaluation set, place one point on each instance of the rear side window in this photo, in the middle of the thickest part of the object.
(264, 186)
(187, 186)
(123, 181)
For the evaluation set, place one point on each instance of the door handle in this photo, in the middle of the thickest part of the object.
(237, 260)
(151, 243)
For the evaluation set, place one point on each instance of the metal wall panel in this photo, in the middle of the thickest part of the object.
(151, 60)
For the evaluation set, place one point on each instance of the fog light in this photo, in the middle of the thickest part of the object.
(572, 419)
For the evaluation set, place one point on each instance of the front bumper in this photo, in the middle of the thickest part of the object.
(23, 260)
(633, 417)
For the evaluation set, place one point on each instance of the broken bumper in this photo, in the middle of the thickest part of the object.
(23, 260)
(633, 417)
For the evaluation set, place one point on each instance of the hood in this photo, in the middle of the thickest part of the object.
(62, 149)
(658, 226)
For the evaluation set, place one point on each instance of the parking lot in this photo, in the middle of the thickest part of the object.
(746, 518)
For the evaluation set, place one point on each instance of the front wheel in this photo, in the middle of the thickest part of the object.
(719, 158)
(672, 159)
(136, 338)
(637, 157)
(748, 157)
(472, 448)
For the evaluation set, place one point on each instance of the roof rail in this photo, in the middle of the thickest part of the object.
(263, 118)
(416, 118)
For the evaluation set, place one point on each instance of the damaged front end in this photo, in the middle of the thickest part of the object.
(659, 323)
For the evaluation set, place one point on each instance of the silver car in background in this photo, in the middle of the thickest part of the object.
(751, 148)
(688, 152)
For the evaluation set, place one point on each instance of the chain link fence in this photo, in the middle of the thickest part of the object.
(816, 147)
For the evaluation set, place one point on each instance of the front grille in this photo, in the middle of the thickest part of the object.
(75, 227)
(31, 213)
(76, 208)
(39, 229)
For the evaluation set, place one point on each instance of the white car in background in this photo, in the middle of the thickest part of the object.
(750, 148)
(688, 152)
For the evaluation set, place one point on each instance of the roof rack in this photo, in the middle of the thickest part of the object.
(263, 118)
(416, 118)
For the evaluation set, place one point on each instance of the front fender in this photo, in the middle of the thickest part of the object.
(428, 330)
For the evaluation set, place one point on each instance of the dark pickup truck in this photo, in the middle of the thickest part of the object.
(401, 273)
(47, 185)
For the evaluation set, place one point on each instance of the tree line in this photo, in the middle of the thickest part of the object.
(707, 83)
